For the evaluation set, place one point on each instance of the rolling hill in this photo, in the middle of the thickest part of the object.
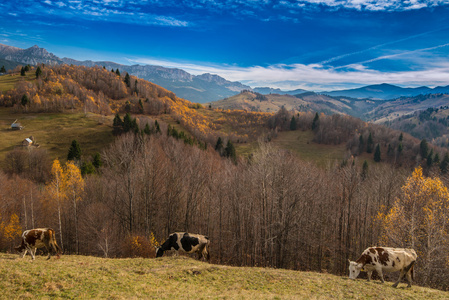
(308, 101)
(74, 276)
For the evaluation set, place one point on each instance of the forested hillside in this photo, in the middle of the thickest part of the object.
(271, 208)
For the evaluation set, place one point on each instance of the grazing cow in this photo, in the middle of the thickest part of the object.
(384, 259)
(186, 242)
(38, 238)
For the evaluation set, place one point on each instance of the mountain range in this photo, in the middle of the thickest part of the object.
(204, 88)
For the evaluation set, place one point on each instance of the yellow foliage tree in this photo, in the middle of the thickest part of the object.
(73, 187)
(12, 229)
(56, 192)
(419, 219)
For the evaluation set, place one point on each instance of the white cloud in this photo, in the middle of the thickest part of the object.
(311, 77)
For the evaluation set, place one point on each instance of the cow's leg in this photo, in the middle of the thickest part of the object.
(369, 275)
(381, 275)
(400, 278)
(32, 252)
(24, 252)
(409, 278)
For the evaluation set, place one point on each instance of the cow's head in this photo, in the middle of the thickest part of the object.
(354, 269)
(159, 252)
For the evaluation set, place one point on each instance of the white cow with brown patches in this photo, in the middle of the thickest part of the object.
(38, 238)
(384, 259)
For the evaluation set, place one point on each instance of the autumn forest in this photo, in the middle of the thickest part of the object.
(174, 165)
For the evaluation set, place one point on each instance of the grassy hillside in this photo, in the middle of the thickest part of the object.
(55, 132)
(85, 277)
(8, 81)
(300, 142)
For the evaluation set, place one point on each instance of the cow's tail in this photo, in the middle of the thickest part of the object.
(410, 268)
(53, 242)
(207, 249)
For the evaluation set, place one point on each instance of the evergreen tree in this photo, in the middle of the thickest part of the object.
(38, 72)
(390, 150)
(140, 106)
(436, 159)
(369, 144)
(136, 90)
(117, 125)
(400, 148)
(361, 143)
(97, 163)
(424, 149)
(445, 163)
(429, 159)
(316, 121)
(377, 154)
(22, 72)
(127, 123)
(3, 70)
(147, 130)
(27, 68)
(25, 100)
(74, 151)
(112, 70)
(158, 128)
(293, 123)
(127, 80)
(230, 151)
(401, 137)
(134, 126)
(364, 169)
(219, 146)
(117, 72)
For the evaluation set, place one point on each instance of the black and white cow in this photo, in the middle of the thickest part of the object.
(38, 238)
(186, 242)
(385, 259)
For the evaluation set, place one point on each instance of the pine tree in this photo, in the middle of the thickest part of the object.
(117, 72)
(445, 163)
(424, 149)
(158, 128)
(127, 123)
(27, 68)
(377, 154)
(22, 72)
(117, 125)
(97, 163)
(293, 123)
(401, 137)
(436, 159)
(316, 121)
(364, 169)
(369, 144)
(25, 100)
(38, 72)
(219, 146)
(88, 168)
(3, 70)
(361, 144)
(74, 151)
(230, 151)
(127, 80)
(147, 130)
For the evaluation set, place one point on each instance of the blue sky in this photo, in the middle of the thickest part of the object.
(310, 44)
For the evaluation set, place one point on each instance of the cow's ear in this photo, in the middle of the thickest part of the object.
(349, 260)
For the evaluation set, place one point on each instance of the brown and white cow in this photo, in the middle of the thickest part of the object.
(38, 238)
(186, 242)
(384, 259)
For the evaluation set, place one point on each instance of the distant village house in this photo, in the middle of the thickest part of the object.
(16, 126)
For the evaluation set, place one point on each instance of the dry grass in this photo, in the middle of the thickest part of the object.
(86, 277)
(55, 132)
(300, 142)
(8, 81)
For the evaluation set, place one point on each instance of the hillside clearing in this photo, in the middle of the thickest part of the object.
(300, 142)
(54, 132)
(180, 277)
